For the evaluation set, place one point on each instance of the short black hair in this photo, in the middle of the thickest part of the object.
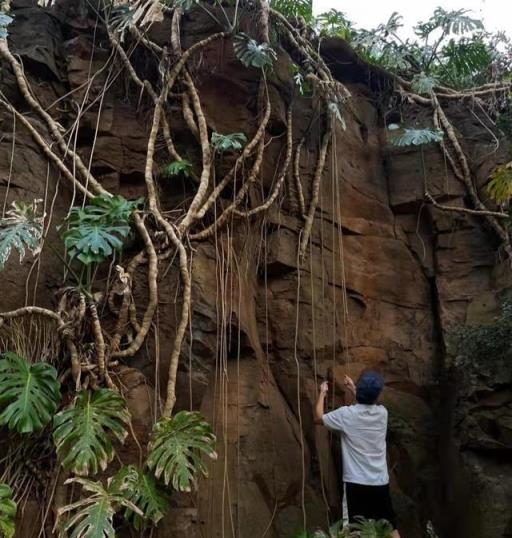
(369, 387)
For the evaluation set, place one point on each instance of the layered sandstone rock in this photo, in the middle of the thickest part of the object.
(386, 279)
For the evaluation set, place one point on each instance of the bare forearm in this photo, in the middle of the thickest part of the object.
(319, 408)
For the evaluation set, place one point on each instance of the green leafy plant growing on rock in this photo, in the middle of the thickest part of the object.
(416, 137)
(20, 230)
(294, 8)
(5, 20)
(229, 142)
(500, 186)
(476, 348)
(82, 432)
(363, 528)
(178, 168)
(253, 54)
(8, 511)
(29, 393)
(177, 448)
(144, 492)
(334, 23)
(96, 231)
(92, 516)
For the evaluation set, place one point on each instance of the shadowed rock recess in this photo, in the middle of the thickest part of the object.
(386, 278)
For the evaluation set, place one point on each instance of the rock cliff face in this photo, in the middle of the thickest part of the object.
(386, 279)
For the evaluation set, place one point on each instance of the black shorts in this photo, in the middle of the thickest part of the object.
(370, 502)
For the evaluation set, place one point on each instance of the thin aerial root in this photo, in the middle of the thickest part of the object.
(55, 128)
(45, 147)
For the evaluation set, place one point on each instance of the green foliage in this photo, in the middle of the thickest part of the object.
(334, 23)
(177, 168)
(122, 17)
(464, 61)
(423, 84)
(229, 142)
(450, 22)
(473, 58)
(364, 528)
(96, 230)
(185, 5)
(8, 510)
(92, 516)
(294, 8)
(300, 80)
(500, 186)
(177, 448)
(143, 491)
(5, 20)
(417, 137)
(20, 230)
(82, 433)
(29, 393)
(369, 528)
(475, 347)
(253, 54)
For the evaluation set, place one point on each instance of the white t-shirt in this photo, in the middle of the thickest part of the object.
(363, 442)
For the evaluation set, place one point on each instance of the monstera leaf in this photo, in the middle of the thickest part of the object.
(93, 243)
(7, 512)
(96, 230)
(83, 432)
(177, 168)
(423, 84)
(20, 230)
(417, 137)
(229, 142)
(142, 490)
(92, 516)
(5, 20)
(177, 449)
(29, 393)
(253, 54)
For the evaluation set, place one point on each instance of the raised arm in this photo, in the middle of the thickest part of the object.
(320, 403)
(350, 390)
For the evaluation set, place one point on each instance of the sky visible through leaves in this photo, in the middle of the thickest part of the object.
(496, 14)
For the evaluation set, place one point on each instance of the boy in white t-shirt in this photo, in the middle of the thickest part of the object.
(363, 428)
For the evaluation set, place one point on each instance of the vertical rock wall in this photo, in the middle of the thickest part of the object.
(386, 278)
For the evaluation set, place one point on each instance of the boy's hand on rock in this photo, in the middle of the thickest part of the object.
(349, 384)
(324, 388)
